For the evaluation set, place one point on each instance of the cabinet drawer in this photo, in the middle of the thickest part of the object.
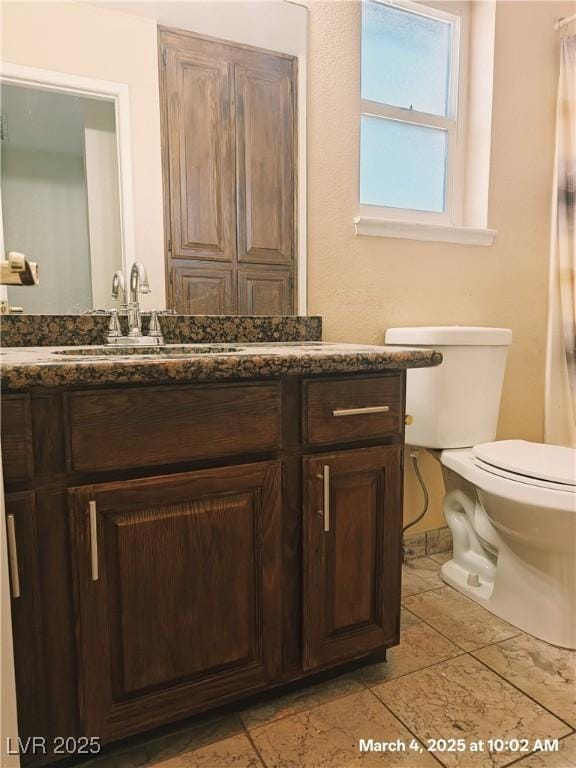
(137, 428)
(17, 450)
(345, 410)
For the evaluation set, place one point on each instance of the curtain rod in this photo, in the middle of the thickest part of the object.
(564, 21)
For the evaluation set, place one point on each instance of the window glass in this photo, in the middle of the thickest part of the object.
(402, 165)
(405, 59)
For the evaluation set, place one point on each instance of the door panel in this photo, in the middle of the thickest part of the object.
(265, 152)
(351, 570)
(186, 606)
(203, 288)
(264, 291)
(201, 156)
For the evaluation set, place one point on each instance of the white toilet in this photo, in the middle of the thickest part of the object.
(510, 504)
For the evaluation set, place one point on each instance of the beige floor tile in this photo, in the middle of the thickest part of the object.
(305, 697)
(462, 699)
(152, 751)
(442, 557)
(460, 619)
(545, 672)
(235, 751)
(564, 758)
(420, 646)
(420, 575)
(329, 737)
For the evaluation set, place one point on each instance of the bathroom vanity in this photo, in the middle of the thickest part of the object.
(195, 525)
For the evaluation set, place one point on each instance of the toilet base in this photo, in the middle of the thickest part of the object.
(459, 578)
(559, 633)
(526, 581)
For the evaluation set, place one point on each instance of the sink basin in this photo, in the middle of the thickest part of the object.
(164, 350)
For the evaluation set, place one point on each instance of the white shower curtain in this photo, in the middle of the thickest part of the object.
(560, 402)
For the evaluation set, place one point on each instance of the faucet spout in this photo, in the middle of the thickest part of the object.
(138, 281)
(138, 284)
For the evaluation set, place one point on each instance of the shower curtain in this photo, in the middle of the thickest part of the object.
(560, 402)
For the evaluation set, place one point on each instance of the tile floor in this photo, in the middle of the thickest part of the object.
(459, 673)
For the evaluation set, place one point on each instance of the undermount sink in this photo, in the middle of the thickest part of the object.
(163, 350)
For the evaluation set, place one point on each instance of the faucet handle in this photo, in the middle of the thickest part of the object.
(114, 330)
(154, 330)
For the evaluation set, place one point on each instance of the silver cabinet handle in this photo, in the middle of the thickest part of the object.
(360, 411)
(13, 555)
(93, 540)
(325, 512)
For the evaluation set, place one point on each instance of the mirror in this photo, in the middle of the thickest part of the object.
(61, 196)
(211, 201)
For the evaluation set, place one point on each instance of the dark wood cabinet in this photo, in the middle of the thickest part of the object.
(229, 123)
(182, 546)
(178, 584)
(22, 540)
(352, 553)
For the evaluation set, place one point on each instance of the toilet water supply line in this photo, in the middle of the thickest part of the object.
(414, 456)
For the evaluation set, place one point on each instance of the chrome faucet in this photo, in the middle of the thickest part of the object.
(138, 284)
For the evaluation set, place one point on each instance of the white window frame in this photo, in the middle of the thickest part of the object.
(454, 123)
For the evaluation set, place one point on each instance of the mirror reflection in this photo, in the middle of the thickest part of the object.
(188, 155)
(60, 196)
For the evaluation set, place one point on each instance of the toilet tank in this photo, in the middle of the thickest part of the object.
(456, 404)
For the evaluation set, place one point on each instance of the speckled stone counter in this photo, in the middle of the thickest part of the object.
(64, 330)
(25, 367)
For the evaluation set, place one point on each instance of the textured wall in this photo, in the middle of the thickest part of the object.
(363, 285)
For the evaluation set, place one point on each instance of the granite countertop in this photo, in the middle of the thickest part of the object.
(24, 367)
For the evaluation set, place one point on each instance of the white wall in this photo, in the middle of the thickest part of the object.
(103, 196)
(44, 197)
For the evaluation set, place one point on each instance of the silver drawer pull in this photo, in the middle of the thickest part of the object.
(325, 512)
(360, 411)
(13, 555)
(93, 540)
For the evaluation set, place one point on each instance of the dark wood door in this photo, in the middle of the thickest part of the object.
(229, 165)
(178, 585)
(265, 161)
(352, 553)
(200, 144)
(23, 559)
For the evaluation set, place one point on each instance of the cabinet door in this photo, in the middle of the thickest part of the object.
(26, 613)
(264, 291)
(178, 593)
(352, 553)
(200, 154)
(203, 288)
(265, 161)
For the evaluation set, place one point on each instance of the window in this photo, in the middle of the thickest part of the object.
(411, 131)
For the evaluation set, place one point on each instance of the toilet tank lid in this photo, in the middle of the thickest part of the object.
(449, 335)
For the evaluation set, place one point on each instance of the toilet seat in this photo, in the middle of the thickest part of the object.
(536, 464)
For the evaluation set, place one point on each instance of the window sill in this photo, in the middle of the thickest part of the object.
(431, 233)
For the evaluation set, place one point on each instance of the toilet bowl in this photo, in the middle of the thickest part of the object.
(510, 504)
(511, 508)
